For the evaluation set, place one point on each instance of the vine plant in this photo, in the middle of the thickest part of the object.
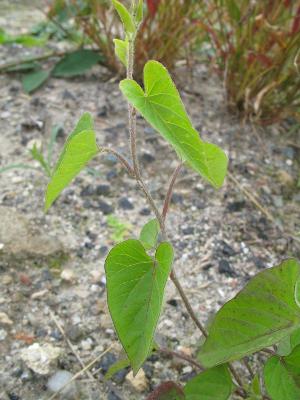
(264, 317)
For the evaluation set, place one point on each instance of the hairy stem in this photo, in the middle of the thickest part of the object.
(120, 158)
(180, 355)
(170, 191)
(132, 112)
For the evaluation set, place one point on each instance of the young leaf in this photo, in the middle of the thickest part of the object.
(79, 149)
(167, 391)
(116, 367)
(125, 16)
(135, 288)
(263, 313)
(212, 384)
(282, 376)
(139, 11)
(76, 63)
(161, 105)
(34, 80)
(121, 50)
(149, 234)
(38, 156)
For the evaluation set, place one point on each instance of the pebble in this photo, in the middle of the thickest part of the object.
(105, 207)
(87, 191)
(147, 157)
(74, 332)
(102, 190)
(145, 211)
(3, 334)
(236, 206)
(38, 295)
(13, 396)
(173, 302)
(68, 275)
(225, 268)
(7, 279)
(59, 380)
(40, 358)
(226, 249)
(4, 319)
(139, 382)
(188, 231)
(125, 204)
(86, 344)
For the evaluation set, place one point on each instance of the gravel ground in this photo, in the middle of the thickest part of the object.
(52, 284)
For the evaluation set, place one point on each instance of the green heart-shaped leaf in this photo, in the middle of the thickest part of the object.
(79, 149)
(135, 288)
(160, 104)
(263, 313)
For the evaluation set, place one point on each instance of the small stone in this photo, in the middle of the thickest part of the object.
(68, 275)
(105, 207)
(13, 396)
(188, 231)
(38, 295)
(187, 369)
(226, 249)
(3, 334)
(103, 111)
(59, 380)
(6, 280)
(74, 333)
(185, 350)
(147, 157)
(40, 358)
(125, 204)
(86, 344)
(139, 382)
(236, 206)
(173, 302)
(102, 190)
(145, 211)
(87, 191)
(225, 268)
(4, 319)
